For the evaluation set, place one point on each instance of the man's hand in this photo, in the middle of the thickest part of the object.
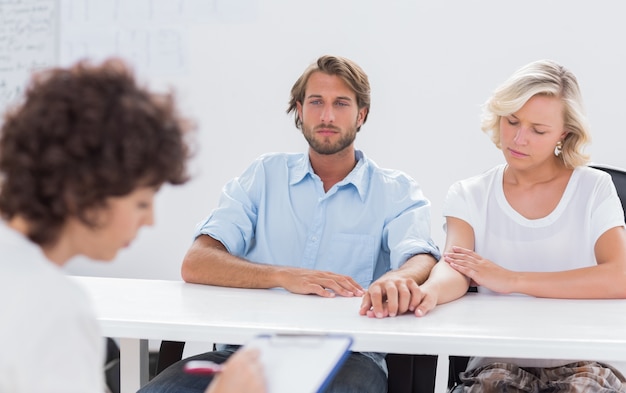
(392, 294)
(397, 291)
(326, 284)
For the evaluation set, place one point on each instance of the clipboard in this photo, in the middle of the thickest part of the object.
(303, 363)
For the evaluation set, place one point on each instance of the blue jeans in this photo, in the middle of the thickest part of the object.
(358, 374)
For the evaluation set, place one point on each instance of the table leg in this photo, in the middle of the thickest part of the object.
(441, 376)
(133, 364)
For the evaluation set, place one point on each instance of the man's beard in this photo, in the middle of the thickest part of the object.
(321, 147)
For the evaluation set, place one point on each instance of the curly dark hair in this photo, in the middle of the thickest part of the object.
(83, 134)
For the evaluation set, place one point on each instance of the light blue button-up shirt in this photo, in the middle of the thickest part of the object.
(277, 213)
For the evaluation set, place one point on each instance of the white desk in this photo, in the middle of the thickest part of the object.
(481, 325)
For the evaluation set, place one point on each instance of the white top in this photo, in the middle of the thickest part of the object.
(563, 240)
(49, 338)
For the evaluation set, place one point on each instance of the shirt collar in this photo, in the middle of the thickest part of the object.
(358, 177)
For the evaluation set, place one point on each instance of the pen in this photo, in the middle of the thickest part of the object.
(202, 367)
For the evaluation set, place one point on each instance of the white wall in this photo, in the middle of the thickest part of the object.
(431, 65)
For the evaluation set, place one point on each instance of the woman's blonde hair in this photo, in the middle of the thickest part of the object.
(542, 77)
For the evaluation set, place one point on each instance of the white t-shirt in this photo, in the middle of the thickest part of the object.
(563, 240)
(49, 338)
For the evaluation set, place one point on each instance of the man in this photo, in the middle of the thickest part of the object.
(329, 223)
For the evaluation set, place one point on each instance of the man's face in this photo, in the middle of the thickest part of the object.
(329, 113)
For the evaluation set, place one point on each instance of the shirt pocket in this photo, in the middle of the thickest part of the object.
(354, 255)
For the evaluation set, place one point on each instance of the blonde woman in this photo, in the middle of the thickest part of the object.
(542, 224)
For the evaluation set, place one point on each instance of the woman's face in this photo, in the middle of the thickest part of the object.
(528, 137)
(118, 224)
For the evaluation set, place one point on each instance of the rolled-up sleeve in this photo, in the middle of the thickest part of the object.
(408, 234)
(233, 221)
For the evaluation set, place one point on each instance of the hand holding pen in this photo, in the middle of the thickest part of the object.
(241, 373)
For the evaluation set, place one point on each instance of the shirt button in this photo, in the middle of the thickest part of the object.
(314, 238)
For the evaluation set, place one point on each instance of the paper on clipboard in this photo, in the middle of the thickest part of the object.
(300, 363)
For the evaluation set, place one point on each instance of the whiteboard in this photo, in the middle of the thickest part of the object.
(431, 63)
(28, 42)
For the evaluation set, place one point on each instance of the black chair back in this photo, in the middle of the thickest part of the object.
(619, 179)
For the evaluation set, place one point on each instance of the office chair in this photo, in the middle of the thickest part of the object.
(619, 179)
(169, 353)
(112, 367)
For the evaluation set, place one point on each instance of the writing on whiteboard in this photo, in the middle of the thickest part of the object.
(151, 34)
(27, 43)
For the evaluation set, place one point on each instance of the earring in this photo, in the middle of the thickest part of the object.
(558, 148)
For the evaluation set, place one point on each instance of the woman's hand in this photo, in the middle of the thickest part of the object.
(482, 271)
(242, 373)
